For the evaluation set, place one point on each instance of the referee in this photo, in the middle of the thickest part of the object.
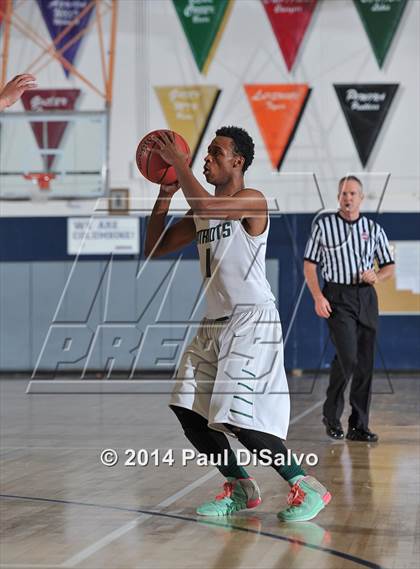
(345, 245)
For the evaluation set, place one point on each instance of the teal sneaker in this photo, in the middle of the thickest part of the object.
(306, 499)
(238, 494)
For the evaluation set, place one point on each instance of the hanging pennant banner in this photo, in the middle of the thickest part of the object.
(188, 110)
(277, 110)
(289, 20)
(2, 10)
(203, 22)
(58, 15)
(380, 19)
(49, 134)
(365, 107)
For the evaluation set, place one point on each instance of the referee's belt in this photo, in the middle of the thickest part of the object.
(357, 285)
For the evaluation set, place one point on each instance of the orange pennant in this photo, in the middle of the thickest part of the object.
(277, 110)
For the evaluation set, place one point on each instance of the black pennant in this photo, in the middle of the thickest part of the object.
(365, 106)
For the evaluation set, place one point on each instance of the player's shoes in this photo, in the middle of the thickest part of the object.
(238, 494)
(306, 499)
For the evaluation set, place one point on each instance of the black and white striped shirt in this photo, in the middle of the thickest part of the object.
(347, 248)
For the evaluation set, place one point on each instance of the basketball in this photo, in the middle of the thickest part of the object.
(150, 163)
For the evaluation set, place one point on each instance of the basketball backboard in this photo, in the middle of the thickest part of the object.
(62, 154)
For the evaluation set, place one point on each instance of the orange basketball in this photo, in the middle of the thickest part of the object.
(151, 165)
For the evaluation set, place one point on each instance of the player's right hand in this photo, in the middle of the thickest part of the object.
(169, 191)
(322, 307)
(16, 87)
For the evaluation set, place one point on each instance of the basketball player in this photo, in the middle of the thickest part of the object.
(231, 378)
(15, 88)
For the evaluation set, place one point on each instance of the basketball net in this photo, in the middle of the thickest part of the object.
(40, 184)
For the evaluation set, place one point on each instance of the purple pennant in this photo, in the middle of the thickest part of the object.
(58, 14)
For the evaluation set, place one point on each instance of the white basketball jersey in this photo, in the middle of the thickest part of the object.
(233, 266)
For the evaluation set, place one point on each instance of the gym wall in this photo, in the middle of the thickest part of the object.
(152, 51)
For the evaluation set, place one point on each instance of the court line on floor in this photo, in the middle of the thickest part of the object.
(150, 513)
(306, 412)
(112, 536)
(107, 539)
(26, 566)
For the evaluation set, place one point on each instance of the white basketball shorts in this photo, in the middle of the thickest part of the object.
(233, 373)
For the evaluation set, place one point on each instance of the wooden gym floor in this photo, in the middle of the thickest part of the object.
(60, 507)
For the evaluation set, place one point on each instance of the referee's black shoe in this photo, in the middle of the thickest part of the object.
(363, 435)
(335, 431)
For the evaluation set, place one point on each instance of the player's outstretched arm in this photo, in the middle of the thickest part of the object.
(244, 204)
(161, 240)
(14, 89)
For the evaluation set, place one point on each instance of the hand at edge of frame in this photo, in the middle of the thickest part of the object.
(15, 88)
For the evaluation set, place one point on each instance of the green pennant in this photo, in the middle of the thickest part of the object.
(380, 19)
(203, 22)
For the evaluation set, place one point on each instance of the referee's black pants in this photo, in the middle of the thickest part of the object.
(352, 327)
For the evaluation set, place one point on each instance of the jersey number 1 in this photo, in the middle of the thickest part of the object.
(208, 266)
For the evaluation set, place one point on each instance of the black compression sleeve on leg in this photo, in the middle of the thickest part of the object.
(213, 444)
(256, 441)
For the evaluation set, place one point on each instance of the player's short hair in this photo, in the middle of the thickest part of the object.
(242, 142)
(349, 178)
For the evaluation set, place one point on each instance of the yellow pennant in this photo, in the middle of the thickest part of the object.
(188, 110)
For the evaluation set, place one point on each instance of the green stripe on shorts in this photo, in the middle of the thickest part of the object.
(247, 386)
(239, 413)
(250, 372)
(242, 399)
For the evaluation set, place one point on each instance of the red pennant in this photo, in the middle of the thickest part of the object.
(49, 134)
(2, 9)
(289, 20)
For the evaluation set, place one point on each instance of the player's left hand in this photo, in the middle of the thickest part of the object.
(168, 150)
(14, 89)
(369, 277)
(168, 191)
